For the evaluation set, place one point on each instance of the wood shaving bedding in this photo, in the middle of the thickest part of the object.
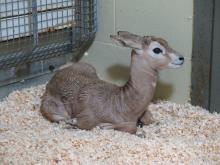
(181, 134)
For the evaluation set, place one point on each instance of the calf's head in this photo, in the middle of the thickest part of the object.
(154, 50)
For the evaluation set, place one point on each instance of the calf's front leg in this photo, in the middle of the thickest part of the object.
(129, 127)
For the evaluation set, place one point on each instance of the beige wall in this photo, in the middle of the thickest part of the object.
(170, 19)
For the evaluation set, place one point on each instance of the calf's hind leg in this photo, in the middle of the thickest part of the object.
(147, 118)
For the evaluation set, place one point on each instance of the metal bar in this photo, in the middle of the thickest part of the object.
(39, 11)
(76, 31)
(35, 22)
(83, 18)
(94, 16)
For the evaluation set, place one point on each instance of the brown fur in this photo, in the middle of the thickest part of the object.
(76, 91)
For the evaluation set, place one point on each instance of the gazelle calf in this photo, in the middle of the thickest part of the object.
(76, 92)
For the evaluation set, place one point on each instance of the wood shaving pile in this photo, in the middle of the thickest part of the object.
(181, 134)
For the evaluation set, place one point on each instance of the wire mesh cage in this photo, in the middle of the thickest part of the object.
(37, 30)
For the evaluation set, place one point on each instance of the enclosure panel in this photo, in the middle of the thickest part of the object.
(202, 50)
(106, 21)
(172, 21)
(215, 80)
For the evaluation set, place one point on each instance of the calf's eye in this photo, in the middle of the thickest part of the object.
(157, 50)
